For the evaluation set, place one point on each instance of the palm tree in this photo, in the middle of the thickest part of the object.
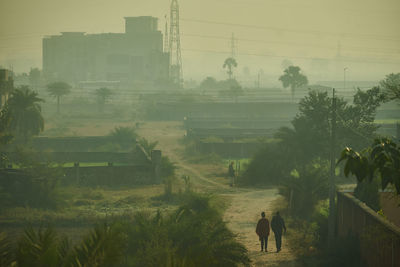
(293, 78)
(230, 63)
(123, 135)
(103, 94)
(58, 89)
(25, 113)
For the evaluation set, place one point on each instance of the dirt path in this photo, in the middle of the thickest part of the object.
(246, 204)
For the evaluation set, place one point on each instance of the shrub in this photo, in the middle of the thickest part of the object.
(267, 166)
(305, 188)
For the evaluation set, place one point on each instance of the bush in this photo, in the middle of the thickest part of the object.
(34, 184)
(192, 235)
(305, 188)
(268, 166)
(167, 167)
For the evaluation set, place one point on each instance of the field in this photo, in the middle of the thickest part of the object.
(85, 206)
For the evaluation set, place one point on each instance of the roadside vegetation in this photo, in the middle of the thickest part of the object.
(194, 234)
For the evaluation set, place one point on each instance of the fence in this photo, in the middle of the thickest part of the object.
(71, 144)
(177, 111)
(229, 150)
(230, 134)
(379, 239)
(266, 122)
(123, 168)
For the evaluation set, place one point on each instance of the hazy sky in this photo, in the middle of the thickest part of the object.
(306, 32)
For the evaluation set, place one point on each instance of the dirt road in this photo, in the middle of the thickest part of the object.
(245, 204)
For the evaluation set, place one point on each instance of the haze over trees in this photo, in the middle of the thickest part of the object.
(103, 94)
(24, 113)
(230, 63)
(308, 138)
(35, 77)
(391, 85)
(57, 90)
(293, 78)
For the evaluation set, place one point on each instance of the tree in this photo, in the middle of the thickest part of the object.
(103, 94)
(34, 77)
(57, 90)
(123, 136)
(209, 83)
(381, 160)
(391, 85)
(147, 145)
(312, 125)
(25, 113)
(230, 63)
(305, 187)
(293, 78)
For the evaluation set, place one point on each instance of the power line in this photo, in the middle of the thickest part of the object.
(394, 50)
(288, 56)
(314, 32)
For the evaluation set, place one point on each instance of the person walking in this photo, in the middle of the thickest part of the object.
(262, 231)
(231, 174)
(277, 225)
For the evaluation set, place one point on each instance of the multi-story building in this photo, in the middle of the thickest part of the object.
(6, 85)
(135, 56)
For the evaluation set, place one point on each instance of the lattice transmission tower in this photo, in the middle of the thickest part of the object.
(176, 72)
(166, 37)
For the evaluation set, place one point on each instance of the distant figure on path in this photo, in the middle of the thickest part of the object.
(262, 231)
(277, 225)
(231, 173)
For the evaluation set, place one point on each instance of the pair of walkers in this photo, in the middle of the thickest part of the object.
(277, 226)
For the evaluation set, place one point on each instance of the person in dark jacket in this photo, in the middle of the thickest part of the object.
(231, 174)
(277, 225)
(262, 231)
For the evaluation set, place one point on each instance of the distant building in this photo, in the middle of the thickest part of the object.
(6, 85)
(133, 57)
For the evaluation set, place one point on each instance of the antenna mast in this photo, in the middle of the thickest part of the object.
(176, 72)
(233, 47)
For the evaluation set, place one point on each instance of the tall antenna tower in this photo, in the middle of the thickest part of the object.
(233, 46)
(166, 38)
(176, 72)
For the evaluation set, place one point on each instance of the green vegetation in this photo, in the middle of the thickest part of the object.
(23, 114)
(391, 85)
(230, 63)
(192, 235)
(293, 78)
(305, 188)
(57, 90)
(34, 185)
(380, 161)
(312, 125)
(102, 96)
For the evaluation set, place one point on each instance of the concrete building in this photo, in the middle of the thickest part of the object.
(6, 85)
(133, 57)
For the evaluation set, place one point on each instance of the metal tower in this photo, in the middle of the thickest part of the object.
(233, 47)
(176, 73)
(166, 38)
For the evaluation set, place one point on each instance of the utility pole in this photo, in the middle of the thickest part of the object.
(344, 78)
(331, 219)
(176, 71)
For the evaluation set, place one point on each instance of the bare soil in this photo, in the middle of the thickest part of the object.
(245, 205)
